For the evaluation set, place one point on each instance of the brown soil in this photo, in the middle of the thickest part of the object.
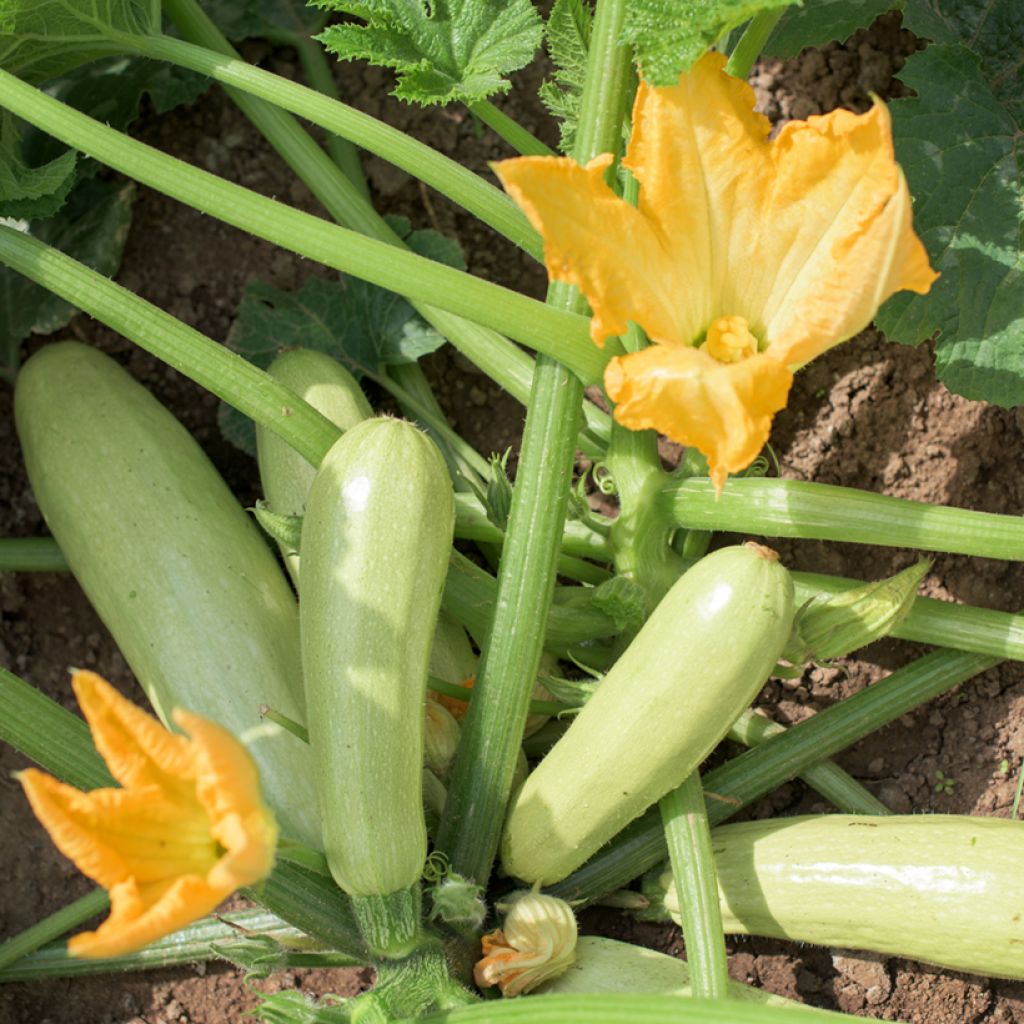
(869, 414)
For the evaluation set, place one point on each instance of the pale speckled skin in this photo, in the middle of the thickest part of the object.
(375, 544)
(697, 663)
(608, 965)
(942, 888)
(177, 571)
(327, 386)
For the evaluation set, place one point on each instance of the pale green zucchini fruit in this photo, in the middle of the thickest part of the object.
(695, 665)
(286, 476)
(607, 965)
(174, 567)
(945, 889)
(375, 543)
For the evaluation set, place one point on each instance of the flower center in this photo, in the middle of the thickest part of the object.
(729, 339)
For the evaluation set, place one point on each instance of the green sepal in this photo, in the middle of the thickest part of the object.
(285, 529)
(498, 499)
(390, 924)
(623, 601)
(834, 626)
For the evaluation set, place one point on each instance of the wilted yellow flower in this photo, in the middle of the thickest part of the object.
(538, 943)
(744, 259)
(188, 828)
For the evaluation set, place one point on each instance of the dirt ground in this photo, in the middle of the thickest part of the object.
(869, 414)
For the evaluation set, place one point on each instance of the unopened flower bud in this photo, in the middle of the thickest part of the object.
(537, 943)
(440, 738)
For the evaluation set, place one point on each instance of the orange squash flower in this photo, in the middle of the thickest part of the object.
(188, 828)
(744, 258)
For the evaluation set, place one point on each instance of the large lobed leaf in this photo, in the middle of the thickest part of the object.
(567, 35)
(43, 38)
(819, 22)
(669, 35)
(961, 144)
(93, 229)
(444, 51)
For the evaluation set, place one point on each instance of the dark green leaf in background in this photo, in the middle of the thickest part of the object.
(39, 40)
(669, 35)
(362, 326)
(567, 35)
(92, 228)
(247, 19)
(961, 144)
(820, 22)
(445, 51)
(30, 191)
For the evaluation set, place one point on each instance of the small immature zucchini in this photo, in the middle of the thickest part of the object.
(330, 389)
(375, 543)
(176, 570)
(695, 665)
(945, 889)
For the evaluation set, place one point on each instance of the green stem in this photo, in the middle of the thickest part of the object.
(556, 331)
(504, 362)
(781, 758)
(536, 707)
(217, 369)
(751, 43)
(49, 734)
(31, 554)
(837, 786)
(688, 838)
(521, 140)
(318, 71)
(810, 511)
(481, 777)
(53, 927)
(227, 934)
(449, 177)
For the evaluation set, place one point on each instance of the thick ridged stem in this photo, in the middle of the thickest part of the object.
(492, 732)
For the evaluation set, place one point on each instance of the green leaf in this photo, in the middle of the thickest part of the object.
(364, 327)
(669, 35)
(961, 144)
(567, 35)
(447, 51)
(820, 22)
(42, 38)
(92, 228)
(247, 19)
(30, 192)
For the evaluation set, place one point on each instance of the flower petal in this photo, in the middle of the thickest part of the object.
(840, 240)
(111, 834)
(600, 243)
(138, 750)
(188, 829)
(723, 409)
(698, 150)
(138, 918)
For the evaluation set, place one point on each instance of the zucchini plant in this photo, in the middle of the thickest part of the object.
(696, 263)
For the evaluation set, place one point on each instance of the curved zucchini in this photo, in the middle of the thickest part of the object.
(375, 543)
(285, 474)
(694, 666)
(945, 889)
(172, 564)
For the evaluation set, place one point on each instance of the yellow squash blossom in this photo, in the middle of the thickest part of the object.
(188, 828)
(744, 259)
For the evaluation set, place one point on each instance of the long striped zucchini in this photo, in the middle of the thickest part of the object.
(170, 561)
(375, 543)
(943, 888)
